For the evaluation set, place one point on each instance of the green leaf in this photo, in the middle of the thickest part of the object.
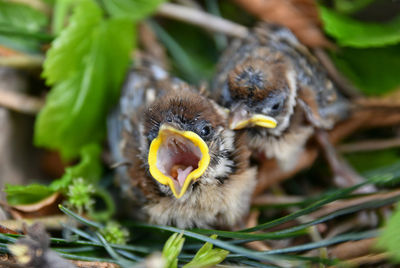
(21, 16)
(207, 256)
(133, 9)
(19, 25)
(389, 239)
(70, 50)
(89, 168)
(86, 70)
(351, 6)
(22, 195)
(171, 250)
(350, 32)
(60, 11)
(374, 70)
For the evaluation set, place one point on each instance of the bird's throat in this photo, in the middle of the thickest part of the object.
(177, 158)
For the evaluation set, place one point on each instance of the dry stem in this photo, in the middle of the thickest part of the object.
(22, 61)
(202, 19)
(369, 145)
(20, 102)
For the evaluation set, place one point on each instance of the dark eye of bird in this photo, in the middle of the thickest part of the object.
(205, 131)
(276, 106)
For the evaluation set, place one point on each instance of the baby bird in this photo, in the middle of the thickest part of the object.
(277, 91)
(181, 163)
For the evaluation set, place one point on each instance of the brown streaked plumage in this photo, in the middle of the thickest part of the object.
(220, 197)
(271, 75)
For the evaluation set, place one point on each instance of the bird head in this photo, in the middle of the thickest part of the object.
(182, 135)
(262, 93)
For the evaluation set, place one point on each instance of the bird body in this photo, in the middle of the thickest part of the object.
(183, 166)
(277, 92)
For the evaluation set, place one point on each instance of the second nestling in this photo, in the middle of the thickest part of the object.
(277, 92)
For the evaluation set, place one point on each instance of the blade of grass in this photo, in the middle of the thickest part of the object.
(86, 258)
(338, 194)
(139, 249)
(75, 249)
(129, 255)
(248, 253)
(289, 232)
(7, 238)
(79, 232)
(80, 218)
(257, 264)
(325, 242)
(177, 52)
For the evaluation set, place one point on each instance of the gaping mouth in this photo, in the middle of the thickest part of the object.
(238, 121)
(176, 158)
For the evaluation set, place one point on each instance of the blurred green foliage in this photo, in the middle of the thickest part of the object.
(368, 55)
(374, 70)
(21, 27)
(351, 6)
(365, 161)
(354, 33)
(194, 53)
(389, 239)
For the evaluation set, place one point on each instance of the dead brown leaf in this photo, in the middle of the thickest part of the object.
(5, 230)
(47, 206)
(301, 16)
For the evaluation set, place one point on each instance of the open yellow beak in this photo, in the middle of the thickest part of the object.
(255, 120)
(176, 158)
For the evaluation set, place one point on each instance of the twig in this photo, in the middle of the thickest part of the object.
(369, 145)
(341, 204)
(20, 102)
(252, 221)
(268, 199)
(202, 19)
(22, 61)
(344, 84)
(51, 222)
(352, 249)
(389, 101)
(189, 3)
(89, 264)
(368, 259)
